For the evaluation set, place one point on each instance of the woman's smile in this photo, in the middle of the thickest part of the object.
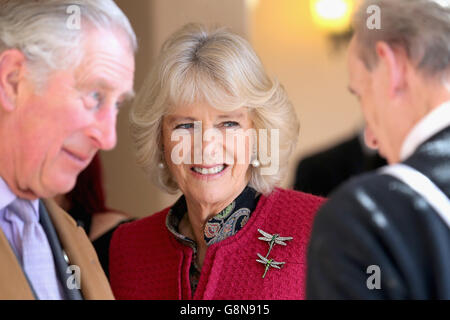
(209, 172)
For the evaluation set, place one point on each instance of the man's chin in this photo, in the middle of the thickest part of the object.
(57, 187)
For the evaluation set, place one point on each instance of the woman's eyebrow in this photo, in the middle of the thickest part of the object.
(172, 119)
(237, 115)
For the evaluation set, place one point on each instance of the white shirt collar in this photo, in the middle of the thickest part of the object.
(437, 120)
(7, 196)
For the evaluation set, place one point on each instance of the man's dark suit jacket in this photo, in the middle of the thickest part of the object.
(322, 172)
(377, 220)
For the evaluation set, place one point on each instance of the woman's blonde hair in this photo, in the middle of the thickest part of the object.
(220, 68)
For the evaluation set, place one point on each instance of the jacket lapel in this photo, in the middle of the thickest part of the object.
(13, 282)
(94, 284)
(61, 265)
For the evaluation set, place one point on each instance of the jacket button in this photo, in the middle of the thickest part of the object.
(66, 257)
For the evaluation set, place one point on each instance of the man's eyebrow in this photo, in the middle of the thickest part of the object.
(98, 83)
(103, 84)
(127, 96)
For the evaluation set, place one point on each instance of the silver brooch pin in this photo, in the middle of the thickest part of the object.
(269, 263)
(273, 239)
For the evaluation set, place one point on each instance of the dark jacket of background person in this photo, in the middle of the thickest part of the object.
(322, 172)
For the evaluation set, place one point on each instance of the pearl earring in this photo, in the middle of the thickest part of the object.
(255, 163)
(161, 165)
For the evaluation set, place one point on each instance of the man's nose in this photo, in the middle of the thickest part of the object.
(104, 130)
(370, 139)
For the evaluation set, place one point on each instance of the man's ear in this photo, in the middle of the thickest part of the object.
(12, 67)
(394, 60)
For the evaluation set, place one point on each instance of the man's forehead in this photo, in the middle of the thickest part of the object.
(103, 60)
(108, 70)
(107, 49)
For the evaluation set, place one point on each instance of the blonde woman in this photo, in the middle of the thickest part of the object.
(211, 123)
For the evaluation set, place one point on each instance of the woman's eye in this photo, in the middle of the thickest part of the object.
(230, 124)
(185, 126)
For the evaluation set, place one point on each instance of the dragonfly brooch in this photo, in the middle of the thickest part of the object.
(273, 239)
(269, 263)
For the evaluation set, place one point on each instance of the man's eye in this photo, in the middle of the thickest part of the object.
(119, 104)
(94, 100)
(185, 126)
(95, 95)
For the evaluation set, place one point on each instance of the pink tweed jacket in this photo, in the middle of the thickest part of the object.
(147, 262)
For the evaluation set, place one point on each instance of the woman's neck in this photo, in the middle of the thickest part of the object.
(199, 213)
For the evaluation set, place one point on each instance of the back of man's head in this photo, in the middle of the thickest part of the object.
(420, 27)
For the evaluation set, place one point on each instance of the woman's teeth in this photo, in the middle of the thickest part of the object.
(213, 170)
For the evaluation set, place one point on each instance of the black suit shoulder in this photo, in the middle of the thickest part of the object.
(376, 220)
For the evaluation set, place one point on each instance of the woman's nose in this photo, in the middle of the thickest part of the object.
(212, 146)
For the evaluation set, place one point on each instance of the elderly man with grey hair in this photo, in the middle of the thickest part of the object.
(386, 235)
(65, 67)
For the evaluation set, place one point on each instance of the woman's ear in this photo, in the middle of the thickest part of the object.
(12, 66)
(394, 61)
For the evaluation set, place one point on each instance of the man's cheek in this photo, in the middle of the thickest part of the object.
(56, 176)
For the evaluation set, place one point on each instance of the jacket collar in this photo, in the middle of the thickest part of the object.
(432, 158)
(81, 253)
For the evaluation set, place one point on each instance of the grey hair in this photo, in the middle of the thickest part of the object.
(218, 67)
(420, 27)
(40, 30)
